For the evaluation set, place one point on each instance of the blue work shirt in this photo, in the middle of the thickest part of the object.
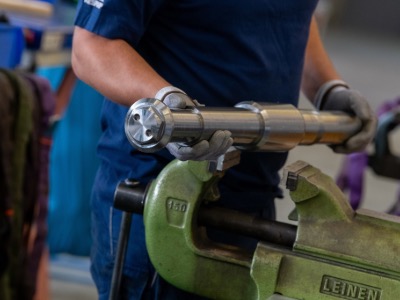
(219, 52)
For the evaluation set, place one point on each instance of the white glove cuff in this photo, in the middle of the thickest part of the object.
(165, 91)
(325, 89)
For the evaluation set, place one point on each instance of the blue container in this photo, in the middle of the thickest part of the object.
(12, 45)
(49, 1)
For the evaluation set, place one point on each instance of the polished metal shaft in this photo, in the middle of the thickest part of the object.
(150, 125)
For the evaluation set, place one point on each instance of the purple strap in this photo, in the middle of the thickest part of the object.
(351, 175)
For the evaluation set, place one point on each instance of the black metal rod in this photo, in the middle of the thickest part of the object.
(131, 196)
(240, 223)
(123, 238)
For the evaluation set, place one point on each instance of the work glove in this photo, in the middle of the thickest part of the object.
(217, 145)
(336, 95)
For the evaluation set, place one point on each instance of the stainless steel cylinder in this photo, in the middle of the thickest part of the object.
(150, 125)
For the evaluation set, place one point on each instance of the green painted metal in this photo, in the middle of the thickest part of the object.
(338, 253)
(329, 228)
(178, 249)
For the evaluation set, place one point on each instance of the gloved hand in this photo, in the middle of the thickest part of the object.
(338, 96)
(217, 145)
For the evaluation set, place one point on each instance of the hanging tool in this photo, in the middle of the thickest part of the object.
(383, 160)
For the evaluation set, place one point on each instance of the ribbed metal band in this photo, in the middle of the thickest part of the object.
(165, 91)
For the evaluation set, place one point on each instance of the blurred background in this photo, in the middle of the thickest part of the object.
(361, 36)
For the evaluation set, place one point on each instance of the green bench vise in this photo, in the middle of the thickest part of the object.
(331, 253)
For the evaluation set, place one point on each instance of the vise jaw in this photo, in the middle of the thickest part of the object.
(337, 254)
